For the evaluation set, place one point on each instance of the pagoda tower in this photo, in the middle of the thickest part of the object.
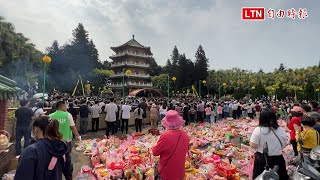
(134, 57)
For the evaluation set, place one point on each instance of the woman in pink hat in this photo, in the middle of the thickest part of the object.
(172, 148)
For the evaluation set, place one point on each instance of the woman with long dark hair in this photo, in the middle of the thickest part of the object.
(49, 157)
(269, 133)
(138, 112)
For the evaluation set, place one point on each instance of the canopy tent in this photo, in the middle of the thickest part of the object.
(8, 88)
(147, 92)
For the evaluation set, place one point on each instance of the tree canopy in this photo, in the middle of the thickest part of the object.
(19, 59)
(302, 83)
(79, 57)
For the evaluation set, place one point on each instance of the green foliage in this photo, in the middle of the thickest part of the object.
(201, 65)
(161, 82)
(79, 57)
(282, 68)
(168, 68)
(18, 56)
(31, 77)
(103, 72)
(155, 69)
(11, 114)
(301, 82)
(172, 63)
(185, 72)
(174, 59)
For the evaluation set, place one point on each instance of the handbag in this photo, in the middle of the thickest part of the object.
(156, 171)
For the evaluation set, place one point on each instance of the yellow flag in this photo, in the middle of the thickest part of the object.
(194, 90)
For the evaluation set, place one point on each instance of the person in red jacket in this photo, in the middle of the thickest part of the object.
(172, 148)
(296, 114)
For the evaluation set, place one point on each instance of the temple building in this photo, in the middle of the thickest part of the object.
(134, 57)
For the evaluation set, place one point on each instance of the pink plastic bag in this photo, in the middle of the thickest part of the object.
(248, 169)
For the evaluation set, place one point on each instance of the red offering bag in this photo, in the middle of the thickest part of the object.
(135, 159)
(123, 138)
(137, 135)
(154, 132)
(226, 170)
(208, 160)
(117, 165)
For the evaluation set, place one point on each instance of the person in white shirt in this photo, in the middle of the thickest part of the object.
(38, 110)
(234, 110)
(111, 109)
(125, 112)
(271, 134)
(163, 110)
(95, 114)
(250, 110)
(138, 115)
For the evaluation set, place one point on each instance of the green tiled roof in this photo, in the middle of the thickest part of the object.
(8, 88)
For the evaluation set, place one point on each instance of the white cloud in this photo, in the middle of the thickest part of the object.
(216, 24)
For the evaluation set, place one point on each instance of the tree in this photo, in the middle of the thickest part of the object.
(260, 70)
(174, 59)
(79, 57)
(103, 72)
(106, 65)
(155, 69)
(184, 72)
(282, 68)
(18, 56)
(80, 36)
(168, 68)
(161, 82)
(201, 65)
(94, 54)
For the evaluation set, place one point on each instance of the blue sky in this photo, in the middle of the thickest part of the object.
(161, 24)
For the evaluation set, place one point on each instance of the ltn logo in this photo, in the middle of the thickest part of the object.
(252, 13)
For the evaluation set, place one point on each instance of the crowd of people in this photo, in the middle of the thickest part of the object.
(49, 128)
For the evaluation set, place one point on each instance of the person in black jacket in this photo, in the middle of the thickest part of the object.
(84, 114)
(73, 112)
(24, 116)
(49, 157)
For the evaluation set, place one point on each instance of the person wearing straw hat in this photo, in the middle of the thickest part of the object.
(296, 113)
(172, 148)
(154, 115)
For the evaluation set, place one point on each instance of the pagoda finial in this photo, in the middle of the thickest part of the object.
(133, 36)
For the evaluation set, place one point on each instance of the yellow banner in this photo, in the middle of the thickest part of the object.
(82, 85)
(75, 88)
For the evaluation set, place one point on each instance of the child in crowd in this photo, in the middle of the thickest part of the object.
(310, 137)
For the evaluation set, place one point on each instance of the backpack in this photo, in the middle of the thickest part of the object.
(34, 112)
